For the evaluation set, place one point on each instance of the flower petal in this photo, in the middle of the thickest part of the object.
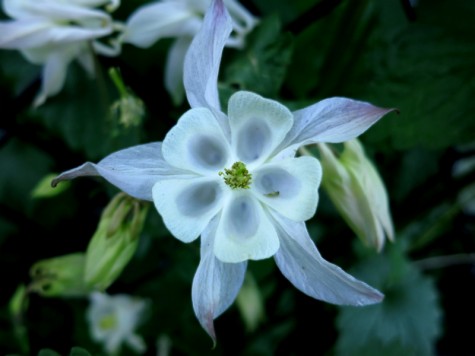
(28, 33)
(134, 170)
(332, 120)
(300, 262)
(243, 23)
(204, 57)
(154, 21)
(57, 10)
(244, 231)
(258, 126)
(187, 205)
(216, 284)
(54, 73)
(197, 143)
(289, 186)
(174, 69)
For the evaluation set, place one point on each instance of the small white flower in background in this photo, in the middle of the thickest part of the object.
(234, 179)
(358, 192)
(53, 33)
(181, 19)
(113, 320)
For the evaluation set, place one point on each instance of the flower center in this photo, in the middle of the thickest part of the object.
(237, 176)
(108, 322)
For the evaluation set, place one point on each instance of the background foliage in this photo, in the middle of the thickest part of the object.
(419, 59)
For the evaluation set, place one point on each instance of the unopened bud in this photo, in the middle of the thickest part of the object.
(358, 192)
(115, 241)
(59, 276)
(128, 109)
(250, 304)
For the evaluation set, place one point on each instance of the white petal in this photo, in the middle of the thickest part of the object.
(197, 143)
(136, 343)
(188, 205)
(244, 232)
(54, 75)
(289, 186)
(243, 23)
(158, 20)
(258, 126)
(134, 170)
(22, 34)
(216, 284)
(30, 33)
(86, 60)
(300, 262)
(204, 57)
(58, 11)
(174, 69)
(332, 120)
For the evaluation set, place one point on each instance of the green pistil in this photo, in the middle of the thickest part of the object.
(108, 322)
(237, 177)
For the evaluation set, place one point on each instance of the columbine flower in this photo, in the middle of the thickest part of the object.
(180, 19)
(53, 33)
(234, 180)
(358, 192)
(113, 320)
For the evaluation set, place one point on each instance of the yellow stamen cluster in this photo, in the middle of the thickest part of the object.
(237, 177)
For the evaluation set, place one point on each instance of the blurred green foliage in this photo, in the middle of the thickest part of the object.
(418, 59)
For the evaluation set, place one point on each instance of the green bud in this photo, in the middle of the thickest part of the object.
(358, 192)
(115, 241)
(59, 276)
(250, 304)
(17, 307)
(129, 109)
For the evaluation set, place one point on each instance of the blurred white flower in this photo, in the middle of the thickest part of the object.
(358, 192)
(181, 19)
(53, 33)
(113, 320)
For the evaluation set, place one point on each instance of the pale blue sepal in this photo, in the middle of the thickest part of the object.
(331, 120)
(200, 73)
(216, 284)
(300, 262)
(133, 170)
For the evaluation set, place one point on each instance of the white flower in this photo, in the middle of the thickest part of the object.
(53, 33)
(234, 180)
(358, 192)
(113, 320)
(180, 19)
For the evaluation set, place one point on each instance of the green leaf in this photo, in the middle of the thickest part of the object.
(48, 352)
(78, 351)
(16, 72)
(262, 65)
(427, 70)
(81, 114)
(408, 321)
(23, 166)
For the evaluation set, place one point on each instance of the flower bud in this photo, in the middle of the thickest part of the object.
(59, 276)
(128, 109)
(250, 304)
(356, 189)
(115, 241)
